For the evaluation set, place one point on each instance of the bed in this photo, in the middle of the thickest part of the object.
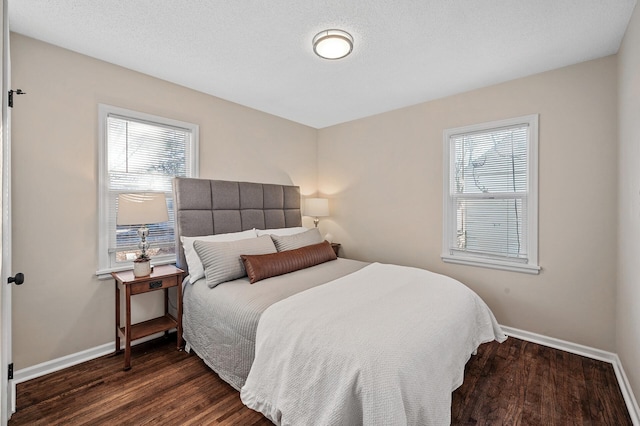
(338, 342)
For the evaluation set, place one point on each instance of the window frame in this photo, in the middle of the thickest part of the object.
(450, 211)
(106, 260)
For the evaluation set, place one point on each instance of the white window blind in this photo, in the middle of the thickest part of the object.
(491, 195)
(140, 153)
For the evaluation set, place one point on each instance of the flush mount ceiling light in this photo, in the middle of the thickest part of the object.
(332, 44)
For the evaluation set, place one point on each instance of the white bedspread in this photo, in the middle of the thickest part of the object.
(385, 345)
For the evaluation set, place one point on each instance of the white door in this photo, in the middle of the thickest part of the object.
(6, 385)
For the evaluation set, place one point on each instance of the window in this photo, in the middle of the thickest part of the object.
(490, 195)
(139, 153)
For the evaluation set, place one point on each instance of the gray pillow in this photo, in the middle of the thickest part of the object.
(221, 260)
(291, 242)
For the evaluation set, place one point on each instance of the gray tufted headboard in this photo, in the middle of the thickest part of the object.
(206, 207)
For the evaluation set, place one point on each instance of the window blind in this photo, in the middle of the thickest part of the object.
(143, 157)
(488, 192)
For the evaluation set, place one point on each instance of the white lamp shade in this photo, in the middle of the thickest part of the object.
(142, 209)
(316, 207)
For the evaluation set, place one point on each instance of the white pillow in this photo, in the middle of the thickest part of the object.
(196, 270)
(281, 231)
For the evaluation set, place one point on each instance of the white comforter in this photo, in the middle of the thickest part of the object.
(385, 345)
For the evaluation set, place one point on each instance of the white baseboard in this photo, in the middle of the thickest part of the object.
(589, 352)
(54, 365)
(66, 361)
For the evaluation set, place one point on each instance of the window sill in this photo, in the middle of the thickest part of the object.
(493, 264)
(105, 274)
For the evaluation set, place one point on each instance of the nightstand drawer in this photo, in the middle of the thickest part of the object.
(153, 284)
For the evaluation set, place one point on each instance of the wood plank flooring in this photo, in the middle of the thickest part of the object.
(513, 383)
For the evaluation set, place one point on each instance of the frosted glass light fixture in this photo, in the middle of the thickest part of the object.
(332, 44)
(316, 207)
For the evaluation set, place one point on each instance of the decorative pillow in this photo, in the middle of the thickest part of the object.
(263, 266)
(281, 231)
(196, 270)
(290, 242)
(221, 260)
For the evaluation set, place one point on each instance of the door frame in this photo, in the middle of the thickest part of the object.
(7, 391)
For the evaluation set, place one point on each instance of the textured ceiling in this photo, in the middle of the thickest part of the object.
(258, 53)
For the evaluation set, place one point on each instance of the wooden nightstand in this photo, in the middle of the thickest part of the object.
(162, 278)
(336, 248)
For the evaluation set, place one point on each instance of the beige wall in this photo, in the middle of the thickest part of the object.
(63, 308)
(384, 176)
(628, 306)
(383, 173)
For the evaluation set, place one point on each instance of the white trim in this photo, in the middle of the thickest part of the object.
(67, 361)
(589, 352)
(105, 274)
(449, 223)
(563, 345)
(7, 390)
(106, 261)
(627, 391)
(495, 264)
(61, 363)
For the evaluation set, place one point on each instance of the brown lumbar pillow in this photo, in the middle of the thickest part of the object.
(263, 266)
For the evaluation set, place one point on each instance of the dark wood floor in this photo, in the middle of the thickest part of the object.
(514, 383)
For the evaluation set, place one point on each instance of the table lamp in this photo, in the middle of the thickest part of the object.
(142, 209)
(316, 207)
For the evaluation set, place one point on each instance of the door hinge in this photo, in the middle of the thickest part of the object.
(17, 92)
(10, 371)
